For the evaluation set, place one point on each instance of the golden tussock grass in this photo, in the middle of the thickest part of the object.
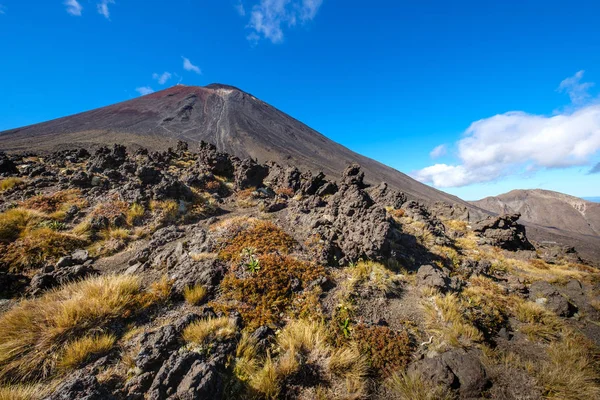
(572, 371)
(23, 392)
(539, 323)
(374, 276)
(445, 318)
(410, 386)
(167, 211)
(78, 351)
(301, 346)
(56, 204)
(207, 330)
(41, 245)
(9, 183)
(135, 214)
(456, 225)
(34, 332)
(15, 221)
(194, 295)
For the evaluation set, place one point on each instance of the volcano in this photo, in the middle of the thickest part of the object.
(235, 121)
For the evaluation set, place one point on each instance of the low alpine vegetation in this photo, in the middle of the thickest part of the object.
(41, 337)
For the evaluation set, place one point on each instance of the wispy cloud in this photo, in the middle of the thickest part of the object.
(439, 151)
(595, 169)
(239, 7)
(188, 66)
(162, 78)
(268, 18)
(144, 90)
(103, 8)
(518, 142)
(2, 9)
(578, 91)
(73, 7)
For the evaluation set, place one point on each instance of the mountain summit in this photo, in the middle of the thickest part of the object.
(235, 121)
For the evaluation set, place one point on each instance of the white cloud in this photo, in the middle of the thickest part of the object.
(73, 7)
(518, 142)
(439, 151)
(269, 17)
(103, 7)
(162, 78)
(144, 90)
(239, 7)
(578, 91)
(188, 66)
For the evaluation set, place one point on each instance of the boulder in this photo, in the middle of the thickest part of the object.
(433, 277)
(504, 232)
(548, 295)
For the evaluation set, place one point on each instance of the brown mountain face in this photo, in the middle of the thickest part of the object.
(546, 208)
(235, 121)
(551, 216)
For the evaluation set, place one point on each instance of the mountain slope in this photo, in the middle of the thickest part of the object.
(552, 217)
(235, 121)
(547, 208)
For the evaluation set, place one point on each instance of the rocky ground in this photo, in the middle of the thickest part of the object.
(194, 274)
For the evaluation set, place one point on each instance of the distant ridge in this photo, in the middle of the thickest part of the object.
(571, 219)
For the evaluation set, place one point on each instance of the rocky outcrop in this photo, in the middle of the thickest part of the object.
(504, 232)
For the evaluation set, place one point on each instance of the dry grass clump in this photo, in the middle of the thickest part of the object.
(418, 229)
(411, 386)
(9, 183)
(204, 331)
(39, 246)
(445, 317)
(135, 214)
(246, 198)
(486, 304)
(262, 296)
(285, 191)
(386, 350)
(303, 358)
(397, 214)
(15, 221)
(79, 351)
(263, 236)
(539, 270)
(166, 211)
(33, 333)
(194, 295)
(22, 392)
(539, 323)
(112, 240)
(374, 277)
(56, 204)
(456, 225)
(572, 370)
(111, 209)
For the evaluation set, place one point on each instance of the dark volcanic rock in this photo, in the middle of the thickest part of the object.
(81, 386)
(504, 232)
(456, 369)
(549, 296)
(250, 174)
(7, 166)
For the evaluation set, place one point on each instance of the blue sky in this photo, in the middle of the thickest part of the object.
(392, 79)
